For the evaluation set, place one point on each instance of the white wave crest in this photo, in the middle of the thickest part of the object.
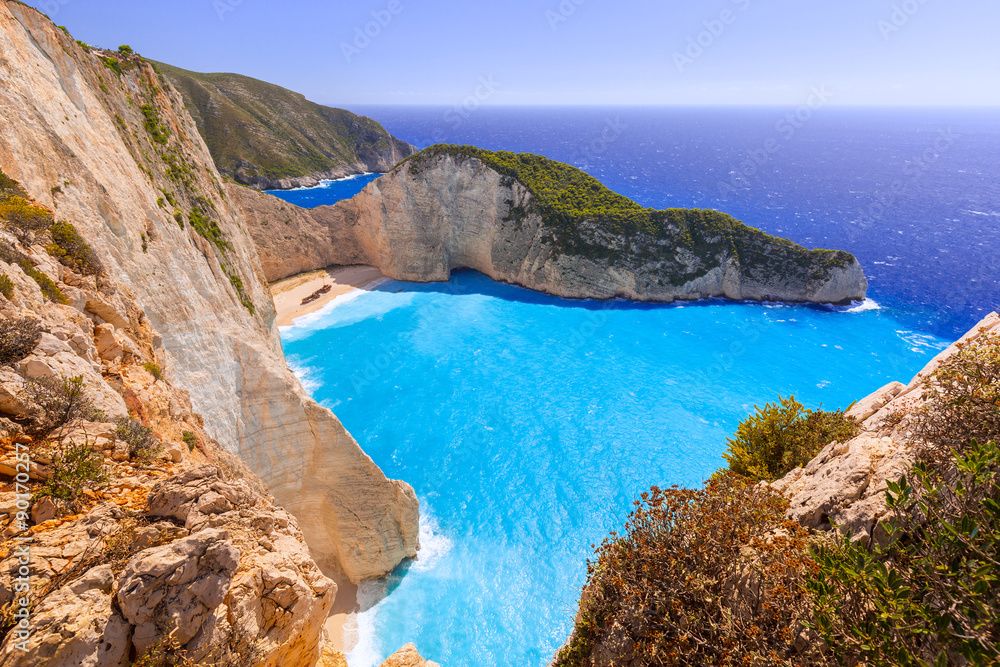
(864, 307)
(307, 375)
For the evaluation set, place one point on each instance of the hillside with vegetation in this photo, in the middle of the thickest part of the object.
(266, 136)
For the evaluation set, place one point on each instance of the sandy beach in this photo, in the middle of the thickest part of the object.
(288, 293)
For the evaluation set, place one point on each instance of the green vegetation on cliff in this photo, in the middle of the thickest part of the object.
(581, 212)
(259, 133)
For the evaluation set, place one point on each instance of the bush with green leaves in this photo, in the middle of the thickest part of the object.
(142, 446)
(72, 251)
(59, 402)
(51, 291)
(19, 336)
(783, 436)
(75, 467)
(190, 439)
(708, 577)
(154, 370)
(962, 401)
(931, 596)
(158, 132)
(6, 287)
(24, 218)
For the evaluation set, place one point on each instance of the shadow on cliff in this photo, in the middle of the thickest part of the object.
(465, 282)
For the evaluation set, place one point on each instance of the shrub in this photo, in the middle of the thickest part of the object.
(142, 446)
(157, 131)
(126, 51)
(153, 370)
(74, 468)
(23, 217)
(784, 436)
(49, 289)
(6, 287)
(59, 401)
(8, 186)
(933, 593)
(71, 250)
(962, 401)
(18, 338)
(699, 577)
(179, 217)
(113, 64)
(190, 439)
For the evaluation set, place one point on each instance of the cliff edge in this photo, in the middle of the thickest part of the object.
(547, 226)
(103, 141)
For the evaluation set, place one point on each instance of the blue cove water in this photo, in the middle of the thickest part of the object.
(529, 424)
(327, 192)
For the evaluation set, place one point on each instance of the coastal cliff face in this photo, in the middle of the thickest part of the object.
(112, 150)
(447, 209)
(268, 137)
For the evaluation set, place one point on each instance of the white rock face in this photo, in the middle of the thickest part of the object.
(846, 483)
(421, 224)
(229, 359)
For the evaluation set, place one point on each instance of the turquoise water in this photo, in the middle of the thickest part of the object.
(528, 424)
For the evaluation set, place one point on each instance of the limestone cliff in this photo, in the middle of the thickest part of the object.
(107, 144)
(549, 227)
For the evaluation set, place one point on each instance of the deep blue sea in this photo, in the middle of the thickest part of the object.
(528, 424)
(327, 192)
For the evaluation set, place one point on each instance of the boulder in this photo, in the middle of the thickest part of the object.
(109, 348)
(76, 625)
(408, 657)
(175, 589)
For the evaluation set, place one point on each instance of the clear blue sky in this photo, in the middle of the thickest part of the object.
(899, 52)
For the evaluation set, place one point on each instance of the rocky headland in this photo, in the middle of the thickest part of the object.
(533, 222)
(270, 138)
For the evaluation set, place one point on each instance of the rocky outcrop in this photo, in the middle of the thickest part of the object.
(119, 156)
(845, 484)
(408, 656)
(445, 210)
(236, 583)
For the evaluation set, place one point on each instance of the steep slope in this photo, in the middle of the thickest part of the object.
(268, 137)
(111, 148)
(547, 226)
